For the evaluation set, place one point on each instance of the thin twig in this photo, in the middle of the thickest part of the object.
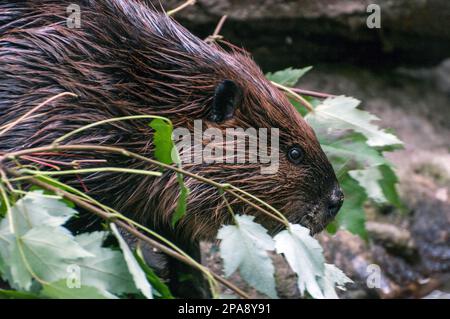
(9, 126)
(213, 37)
(181, 7)
(93, 170)
(319, 95)
(110, 149)
(116, 119)
(296, 96)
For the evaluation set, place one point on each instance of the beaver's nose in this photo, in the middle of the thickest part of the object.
(335, 201)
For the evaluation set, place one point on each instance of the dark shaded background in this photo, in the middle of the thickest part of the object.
(297, 32)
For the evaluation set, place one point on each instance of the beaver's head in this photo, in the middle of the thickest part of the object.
(296, 178)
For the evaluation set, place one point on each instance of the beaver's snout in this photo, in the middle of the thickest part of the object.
(335, 201)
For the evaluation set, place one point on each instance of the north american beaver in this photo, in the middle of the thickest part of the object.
(127, 59)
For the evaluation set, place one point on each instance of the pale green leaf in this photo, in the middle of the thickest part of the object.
(108, 270)
(304, 255)
(37, 209)
(369, 179)
(244, 246)
(47, 252)
(334, 277)
(350, 152)
(35, 244)
(288, 77)
(139, 277)
(341, 113)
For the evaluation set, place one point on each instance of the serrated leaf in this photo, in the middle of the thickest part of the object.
(60, 290)
(334, 277)
(139, 277)
(304, 255)
(108, 270)
(47, 252)
(341, 113)
(288, 77)
(244, 246)
(35, 244)
(37, 209)
(350, 152)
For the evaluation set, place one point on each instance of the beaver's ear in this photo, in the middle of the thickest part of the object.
(227, 98)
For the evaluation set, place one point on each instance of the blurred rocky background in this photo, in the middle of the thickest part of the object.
(401, 72)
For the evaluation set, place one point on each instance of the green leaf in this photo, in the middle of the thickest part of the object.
(352, 216)
(14, 294)
(3, 207)
(166, 152)
(304, 255)
(35, 244)
(369, 179)
(388, 184)
(341, 113)
(182, 200)
(108, 271)
(379, 184)
(137, 273)
(47, 251)
(244, 246)
(36, 209)
(288, 77)
(162, 139)
(60, 290)
(160, 288)
(350, 152)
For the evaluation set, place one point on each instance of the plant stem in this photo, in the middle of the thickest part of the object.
(296, 96)
(319, 95)
(9, 126)
(92, 170)
(110, 149)
(116, 119)
(181, 7)
(211, 38)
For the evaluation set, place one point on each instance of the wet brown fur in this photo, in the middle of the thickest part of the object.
(126, 59)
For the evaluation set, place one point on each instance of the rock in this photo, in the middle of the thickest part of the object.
(292, 33)
(431, 230)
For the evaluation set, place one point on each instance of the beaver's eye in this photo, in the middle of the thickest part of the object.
(295, 155)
